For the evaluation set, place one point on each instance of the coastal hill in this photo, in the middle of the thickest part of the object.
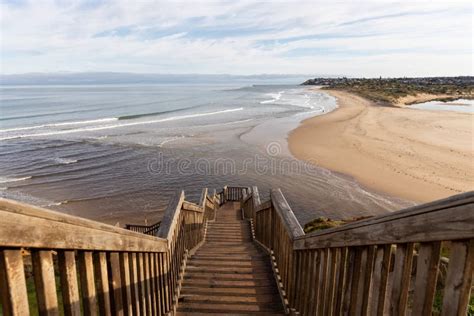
(394, 90)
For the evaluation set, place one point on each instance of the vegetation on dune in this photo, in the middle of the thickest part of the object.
(389, 90)
(321, 223)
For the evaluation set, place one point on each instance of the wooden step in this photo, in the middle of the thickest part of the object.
(226, 308)
(226, 291)
(254, 299)
(229, 274)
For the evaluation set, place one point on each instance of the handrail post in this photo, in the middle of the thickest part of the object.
(225, 189)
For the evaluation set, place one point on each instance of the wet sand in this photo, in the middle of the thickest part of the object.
(412, 154)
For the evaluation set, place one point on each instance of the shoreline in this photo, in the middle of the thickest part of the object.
(416, 155)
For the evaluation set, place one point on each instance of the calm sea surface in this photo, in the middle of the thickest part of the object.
(118, 153)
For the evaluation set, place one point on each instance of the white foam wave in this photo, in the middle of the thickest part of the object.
(6, 180)
(105, 127)
(274, 97)
(65, 161)
(56, 203)
(104, 120)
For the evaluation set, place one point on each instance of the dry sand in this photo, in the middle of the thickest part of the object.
(413, 154)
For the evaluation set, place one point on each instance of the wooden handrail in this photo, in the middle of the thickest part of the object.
(170, 217)
(345, 270)
(36, 227)
(119, 270)
(288, 218)
(449, 219)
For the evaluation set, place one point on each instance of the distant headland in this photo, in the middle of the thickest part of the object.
(402, 91)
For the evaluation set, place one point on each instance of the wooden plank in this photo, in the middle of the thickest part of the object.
(158, 286)
(287, 216)
(323, 280)
(459, 278)
(86, 272)
(263, 206)
(401, 278)
(48, 234)
(45, 283)
(14, 295)
(126, 283)
(134, 280)
(151, 265)
(341, 279)
(308, 282)
(54, 230)
(102, 277)
(426, 275)
(116, 285)
(316, 272)
(346, 303)
(141, 283)
(356, 277)
(170, 217)
(380, 279)
(334, 254)
(369, 268)
(202, 200)
(438, 221)
(69, 285)
(146, 269)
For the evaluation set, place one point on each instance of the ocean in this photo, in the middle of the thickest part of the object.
(117, 153)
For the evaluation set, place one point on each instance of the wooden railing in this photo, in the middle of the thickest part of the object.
(388, 264)
(383, 265)
(52, 263)
(137, 228)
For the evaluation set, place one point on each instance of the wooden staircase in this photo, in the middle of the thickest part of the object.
(229, 274)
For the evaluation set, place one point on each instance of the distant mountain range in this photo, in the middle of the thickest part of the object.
(86, 78)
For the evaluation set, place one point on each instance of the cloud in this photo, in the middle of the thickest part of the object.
(238, 37)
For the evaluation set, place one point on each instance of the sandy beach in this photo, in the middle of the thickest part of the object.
(417, 155)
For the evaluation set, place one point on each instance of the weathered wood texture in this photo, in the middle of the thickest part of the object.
(366, 267)
(102, 269)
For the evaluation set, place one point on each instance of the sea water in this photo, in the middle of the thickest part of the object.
(117, 153)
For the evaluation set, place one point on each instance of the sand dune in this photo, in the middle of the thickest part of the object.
(413, 154)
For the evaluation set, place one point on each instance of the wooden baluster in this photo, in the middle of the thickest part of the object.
(86, 272)
(303, 280)
(151, 266)
(317, 273)
(297, 279)
(146, 269)
(134, 281)
(126, 283)
(380, 279)
(459, 278)
(346, 303)
(341, 279)
(401, 278)
(13, 289)
(45, 283)
(118, 304)
(308, 284)
(426, 275)
(69, 286)
(331, 287)
(367, 285)
(103, 291)
(158, 285)
(141, 284)
(323, 279)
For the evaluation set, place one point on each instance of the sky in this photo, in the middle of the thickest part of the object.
(353, 38)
